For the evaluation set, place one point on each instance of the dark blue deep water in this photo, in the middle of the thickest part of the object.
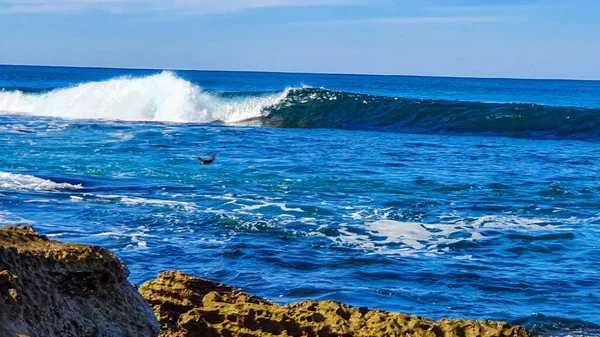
(442, 197)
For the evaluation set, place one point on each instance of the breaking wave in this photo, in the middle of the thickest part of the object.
(165, 97)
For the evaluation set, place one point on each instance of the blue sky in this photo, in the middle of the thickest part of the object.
(511, 38)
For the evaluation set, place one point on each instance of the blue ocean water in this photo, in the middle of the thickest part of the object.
(442, 197)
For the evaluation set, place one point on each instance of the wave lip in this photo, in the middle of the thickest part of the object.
(14, 181)
(162, 97)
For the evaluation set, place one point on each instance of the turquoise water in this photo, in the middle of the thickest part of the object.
(441, 197)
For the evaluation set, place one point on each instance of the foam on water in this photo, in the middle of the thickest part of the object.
(391, 237)
(7, 218)
(120, 136)
(15, 181)
(162, 97)
(134, 201)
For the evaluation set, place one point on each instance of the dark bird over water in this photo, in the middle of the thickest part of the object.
(207, 161)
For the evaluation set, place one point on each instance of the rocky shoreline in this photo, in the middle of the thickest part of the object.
(51, 288)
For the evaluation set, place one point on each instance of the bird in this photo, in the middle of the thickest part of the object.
(207, 161)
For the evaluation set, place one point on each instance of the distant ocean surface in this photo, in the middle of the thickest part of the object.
(442, 197)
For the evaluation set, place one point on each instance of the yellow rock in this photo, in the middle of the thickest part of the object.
(189, 306)
(50, 288)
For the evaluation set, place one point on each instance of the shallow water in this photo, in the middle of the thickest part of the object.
(427, 220)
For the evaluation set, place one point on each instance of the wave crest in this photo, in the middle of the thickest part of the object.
(14, 181)
(163, 97)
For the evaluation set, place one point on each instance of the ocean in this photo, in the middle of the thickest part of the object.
(441, 197)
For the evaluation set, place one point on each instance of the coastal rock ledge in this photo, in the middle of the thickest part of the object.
(54, 289)
(188, 306)
(50, 288)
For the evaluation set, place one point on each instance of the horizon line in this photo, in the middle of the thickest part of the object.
(301, 72)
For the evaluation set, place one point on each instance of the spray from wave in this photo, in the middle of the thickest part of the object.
(162, 97)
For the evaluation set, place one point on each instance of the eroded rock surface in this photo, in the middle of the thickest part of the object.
(50, 288)
(189, 306)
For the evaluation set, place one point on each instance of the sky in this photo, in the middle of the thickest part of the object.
(464, 38)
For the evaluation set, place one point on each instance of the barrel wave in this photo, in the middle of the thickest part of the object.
(166, 97)
(322, 108)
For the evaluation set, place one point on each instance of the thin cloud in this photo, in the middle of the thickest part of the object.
(433, 19)
(196, 7)
(26, 9)
(409, 20)
(486, 8)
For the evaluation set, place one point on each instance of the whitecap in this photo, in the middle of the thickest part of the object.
(16, 181)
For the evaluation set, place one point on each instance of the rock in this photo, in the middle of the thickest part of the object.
(188, 306)
(49, 288)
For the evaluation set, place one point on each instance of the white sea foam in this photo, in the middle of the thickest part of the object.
(32, 128)
(162, 97)
(8, 218)
(281, 206)
(392, 237)
(15, 181)
(120, 136)
(157, 202)
(129, 200)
